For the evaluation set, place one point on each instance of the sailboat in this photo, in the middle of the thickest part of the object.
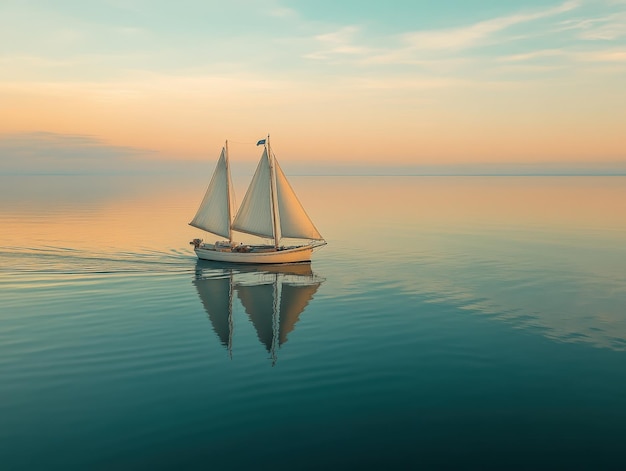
(270, 209)
(273, 297)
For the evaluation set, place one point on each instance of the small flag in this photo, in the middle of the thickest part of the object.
(262, 141)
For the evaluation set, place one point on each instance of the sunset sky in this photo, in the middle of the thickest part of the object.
(408, 83)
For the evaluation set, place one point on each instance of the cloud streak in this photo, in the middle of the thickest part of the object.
(417, 46)
(339, 42)
(478, 33)
(603, 28)
(46, 152)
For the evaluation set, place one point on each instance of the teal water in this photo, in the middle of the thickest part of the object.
(451, 322)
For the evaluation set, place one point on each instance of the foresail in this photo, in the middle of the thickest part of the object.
(214, 212)
(255, 214)
(294, 221)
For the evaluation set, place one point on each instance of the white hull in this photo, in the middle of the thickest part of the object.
(288, 255)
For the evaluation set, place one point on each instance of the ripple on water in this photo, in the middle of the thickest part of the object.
(457, 331)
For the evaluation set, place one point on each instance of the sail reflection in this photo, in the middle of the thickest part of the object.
(272, 296)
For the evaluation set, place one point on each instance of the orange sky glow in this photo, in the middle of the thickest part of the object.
(493, 89)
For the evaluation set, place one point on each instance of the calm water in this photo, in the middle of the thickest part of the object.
(450, 322)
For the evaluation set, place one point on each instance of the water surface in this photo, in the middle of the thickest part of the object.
(461, 322)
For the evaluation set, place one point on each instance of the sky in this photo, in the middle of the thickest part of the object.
(409, 83)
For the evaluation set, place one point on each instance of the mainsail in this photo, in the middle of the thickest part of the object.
(214, 213)
(255, 214)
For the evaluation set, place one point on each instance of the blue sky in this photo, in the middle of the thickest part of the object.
(172, 35)
(199, 34)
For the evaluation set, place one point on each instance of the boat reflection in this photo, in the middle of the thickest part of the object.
(272, 296)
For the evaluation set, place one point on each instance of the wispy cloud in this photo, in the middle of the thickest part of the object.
(478, 33)
(601, 55)
(532, 55)
(339, 42)
(609, 55)
(602, 28)
(72, 145)
(419, 47)
(46, 152)
(283, 12)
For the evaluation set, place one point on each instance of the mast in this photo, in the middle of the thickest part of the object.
(228, 196)
(275, 215)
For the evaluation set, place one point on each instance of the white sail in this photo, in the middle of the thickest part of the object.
(214, 213)
(294, 221)
(255, 214)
